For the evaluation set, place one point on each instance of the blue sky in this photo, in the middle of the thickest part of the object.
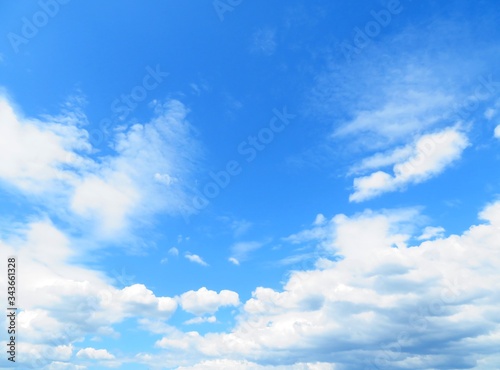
(241, 184)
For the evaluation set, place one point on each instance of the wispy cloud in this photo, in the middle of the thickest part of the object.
(201, 320)
(149, 172)
(204, 301)
(241, 251)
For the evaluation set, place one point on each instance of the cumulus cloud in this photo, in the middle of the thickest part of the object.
(63, 302)
(376, 301)
(384, 303)
(428, 156)
(204, 301)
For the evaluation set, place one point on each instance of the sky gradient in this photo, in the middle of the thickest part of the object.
(235, 184)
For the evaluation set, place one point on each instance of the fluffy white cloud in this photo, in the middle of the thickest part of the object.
(63, 302)
(380, 303)
(38, 150)
(377, 301)
(497, 132)
(94, 354)
(428, 156)
(137, 298)
(109, 200)
(204, 301)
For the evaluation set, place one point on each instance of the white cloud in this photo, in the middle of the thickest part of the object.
(164, 179)
(148, 175)
(94, 354)
(319, 220)
(380, 160)
(377, 102)
(490, 113)
(201, 320)
(234, 261)
(109, 200)
(63, 302)
(137, 300)
(402, 114)
(204, 301)
(148, 172)
(382, 293)
(195, 259)
(40, 356)
(431, 232)
(497, 132)
(384, 303)
(38, 150)
(425, 158)
(173, 251)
